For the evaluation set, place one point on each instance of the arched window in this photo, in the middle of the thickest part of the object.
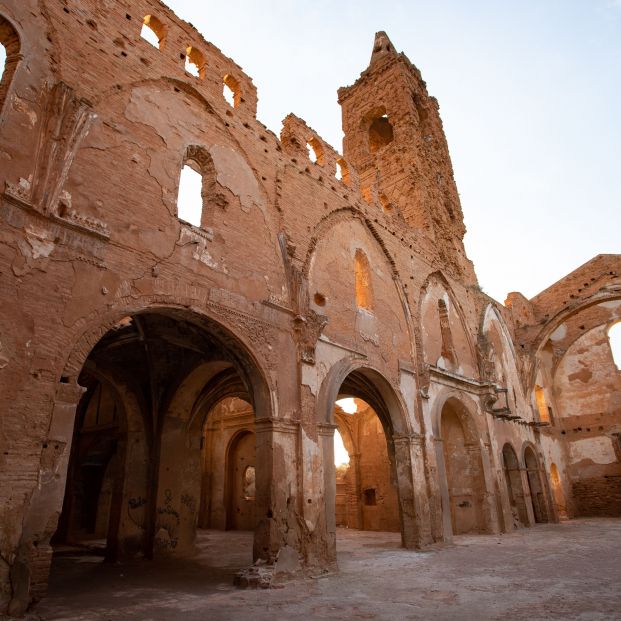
(315, 150)
(190, 199)
(448, 349)
(380, 130)
(153, 31)
(542, 405)
(231, 90)
(195, 62)
(342, 171)
(9, 57)
(614, 338)
(195, 185)
(2, 59)
(364, 289)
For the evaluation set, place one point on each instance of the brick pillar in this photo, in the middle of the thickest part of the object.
(326, 441)
(277, 498)
(409, 463)
(30, 570)
(528, 501)
(491, 522)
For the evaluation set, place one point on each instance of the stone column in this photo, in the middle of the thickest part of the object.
(33, 558)
(409, 463)
(445, 525)
(551, 511)
(506, 516)
(326, 441)
(527, 499)
(278, 499)
(490, 514)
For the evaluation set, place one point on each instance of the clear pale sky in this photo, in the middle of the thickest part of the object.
(529, 92)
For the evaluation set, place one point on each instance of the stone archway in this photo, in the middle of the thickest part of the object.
(160, 359)
(240, 491)
(464, 487)
(349, 378)
(228, 450)
(366, 490)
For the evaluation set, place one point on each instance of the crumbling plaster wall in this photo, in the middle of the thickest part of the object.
(93, 145)
(228, 420)
(589, 387)
(564, 331)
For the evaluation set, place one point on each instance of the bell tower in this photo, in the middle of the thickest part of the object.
(395, 140)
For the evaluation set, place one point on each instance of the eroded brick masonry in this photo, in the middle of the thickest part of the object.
(158, 375)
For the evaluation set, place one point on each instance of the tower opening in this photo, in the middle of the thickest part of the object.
(231, 90)
(380, 133)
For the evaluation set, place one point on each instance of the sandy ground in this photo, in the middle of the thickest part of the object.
(558, 571)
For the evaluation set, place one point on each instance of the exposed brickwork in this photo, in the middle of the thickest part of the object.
(599, 496)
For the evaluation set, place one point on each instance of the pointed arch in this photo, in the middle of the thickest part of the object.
(376, 249)
(442, 309)
(10, 40)
(328, 221)
(605, 296)
(363, 280)
(153, 29)
(492, 319)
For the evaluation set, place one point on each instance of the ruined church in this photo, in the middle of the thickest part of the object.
(163, 371)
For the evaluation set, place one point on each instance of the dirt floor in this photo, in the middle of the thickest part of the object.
(562, 571)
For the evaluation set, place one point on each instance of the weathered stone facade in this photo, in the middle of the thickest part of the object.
(123, 327)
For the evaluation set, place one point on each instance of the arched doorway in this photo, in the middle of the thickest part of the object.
(465, 481)
(136, 463)
(396, 448)
(241, 483)
(229, 467)
(366, 493)
(515, 491)
(558, 493)
(534, 483)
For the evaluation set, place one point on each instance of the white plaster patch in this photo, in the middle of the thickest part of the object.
(407, 384)
(559, 333)
(313, 476)
(611, 304)
(599, 450)
(233, 172)
(41, 247)
(21, 105)
(326, 356)
(199, 249)
(310, 378)
(366, 325)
